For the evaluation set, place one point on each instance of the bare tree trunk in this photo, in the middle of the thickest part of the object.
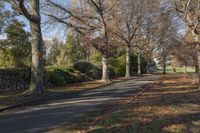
(149, 62)
(186, 68)
(105, 65)
(139, 64)
(37, 68)
(164, 65)
(128, 62)
(105, 69)
(148, 67)
(197, 67)
(198, 73)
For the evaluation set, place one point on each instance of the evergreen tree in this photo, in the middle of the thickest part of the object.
(17, 46)
(72, 51)
(54, 52)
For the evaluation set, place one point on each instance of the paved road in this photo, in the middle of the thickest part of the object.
(41, 118)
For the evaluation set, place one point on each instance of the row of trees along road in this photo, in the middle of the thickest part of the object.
(145, 27)
(190, 12)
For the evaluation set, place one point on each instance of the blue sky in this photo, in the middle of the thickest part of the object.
(50, 32)
(55, 31)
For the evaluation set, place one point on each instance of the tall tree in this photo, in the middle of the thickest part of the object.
(127, 17)
(168, 33)
(32, 13)
(90, 20)
(18, 41)
(190, 12)
(53, 52)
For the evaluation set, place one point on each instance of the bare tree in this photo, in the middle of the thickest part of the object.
(31, 10)
(151, 37)
(147, 34)
(146, 41)
(127, 17)
(167, 34)
(190, 12)
(90, 20)
(186, 55)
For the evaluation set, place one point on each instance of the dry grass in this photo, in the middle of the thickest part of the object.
(173, 106)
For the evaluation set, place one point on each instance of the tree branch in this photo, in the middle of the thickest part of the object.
(33, 18)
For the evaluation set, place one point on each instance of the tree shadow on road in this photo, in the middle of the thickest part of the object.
(173, 106)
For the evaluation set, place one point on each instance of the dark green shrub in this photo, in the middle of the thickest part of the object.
(112, 71)
(15, 78)
(119, 64)
(90, 69)
(61, 76)
(56, 79)
(19, 78)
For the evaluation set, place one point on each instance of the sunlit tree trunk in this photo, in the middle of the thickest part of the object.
(105, 64)
(105, 69)
(37, 68)
(186, 68)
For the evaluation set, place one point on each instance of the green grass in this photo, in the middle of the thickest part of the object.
(178, 70)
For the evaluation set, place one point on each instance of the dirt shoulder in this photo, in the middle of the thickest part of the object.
(172, 106)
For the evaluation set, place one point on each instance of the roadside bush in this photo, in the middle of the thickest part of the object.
(55, 79)
(88, 68)
(119, 65)
(12, 79)
(92, 70)
(62, 76)
(112, 71)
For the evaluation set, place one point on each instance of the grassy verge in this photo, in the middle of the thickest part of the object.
(172, 106)
(9, 98)
(169, 69)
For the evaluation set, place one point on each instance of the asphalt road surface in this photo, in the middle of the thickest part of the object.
(46, 116)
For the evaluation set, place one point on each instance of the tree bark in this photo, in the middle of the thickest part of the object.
(37, 68)
(197, 67)
(164, 65)
(105, 69)
(128, 62)
(139, 64)
(186, 68)
(105, 65)
(197, 70)
(149, 62)
(148, 67)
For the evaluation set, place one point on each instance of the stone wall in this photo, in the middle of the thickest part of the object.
(13, 79)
